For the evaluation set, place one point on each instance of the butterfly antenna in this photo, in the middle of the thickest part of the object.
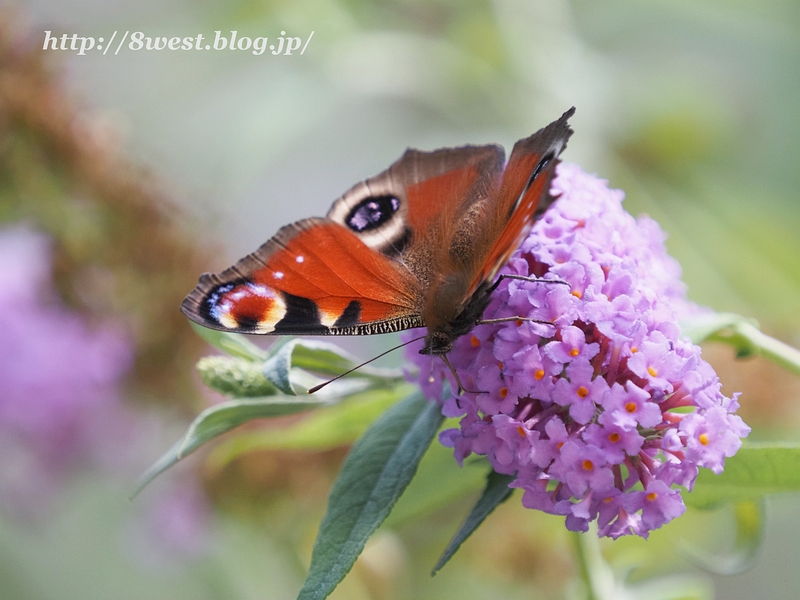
(317, 388)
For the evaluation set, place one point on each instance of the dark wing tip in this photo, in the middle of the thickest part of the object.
(558, 129)
(553, 138)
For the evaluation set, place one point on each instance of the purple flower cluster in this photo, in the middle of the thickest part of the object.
(59, 401)
(601, 414)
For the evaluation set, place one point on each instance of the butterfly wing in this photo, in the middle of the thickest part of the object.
(487, 234)
(363, 269)
(523, 196)
(314, 277)
(401, 212)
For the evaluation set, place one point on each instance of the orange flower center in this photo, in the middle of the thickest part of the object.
(630, 407)
(703, 439)
(521, 431)
(583, 392)
(574, 352)
(538, 374)
(474, 341)
(503, 392)
(587, 465)
(652, 496)
(614, 437)
(652, 371)
(577, 294)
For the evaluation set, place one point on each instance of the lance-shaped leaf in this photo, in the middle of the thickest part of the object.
(319, 357)
(439, 482)
(755, 471)
(329, 427)
(218, 419)
(372, 478)
(494, 494)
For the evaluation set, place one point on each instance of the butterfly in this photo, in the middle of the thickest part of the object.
(419, 244)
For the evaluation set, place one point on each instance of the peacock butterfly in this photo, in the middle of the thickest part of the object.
(417, 245)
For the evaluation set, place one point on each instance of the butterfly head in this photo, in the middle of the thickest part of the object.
(437, 342)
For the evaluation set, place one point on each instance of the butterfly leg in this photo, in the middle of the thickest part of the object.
(508, 319)
(461, 389)
(520, 278)
(525, 278)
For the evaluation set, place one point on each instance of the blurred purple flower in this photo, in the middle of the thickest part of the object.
(61, 411)
(602, 413)
(59, 402)
(171, 526)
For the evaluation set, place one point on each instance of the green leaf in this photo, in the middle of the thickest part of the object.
(755, 471)
(218, 419)
(701, 327)
(329, 427)
(323, 358)
(494, 494)
(439, 481)
(750, 523)
(372, 478)
(743, 334)
(234, 344)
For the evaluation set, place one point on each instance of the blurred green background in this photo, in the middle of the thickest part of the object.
(149, 167)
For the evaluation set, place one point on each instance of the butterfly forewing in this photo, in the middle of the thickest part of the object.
(398, 211)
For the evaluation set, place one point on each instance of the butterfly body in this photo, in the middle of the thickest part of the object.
(417, 245)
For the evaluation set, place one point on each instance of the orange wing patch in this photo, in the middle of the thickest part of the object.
(428, 199)
(524, 201)
(524, 193)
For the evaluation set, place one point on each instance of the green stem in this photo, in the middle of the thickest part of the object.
(583, 564)
(595, 572)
